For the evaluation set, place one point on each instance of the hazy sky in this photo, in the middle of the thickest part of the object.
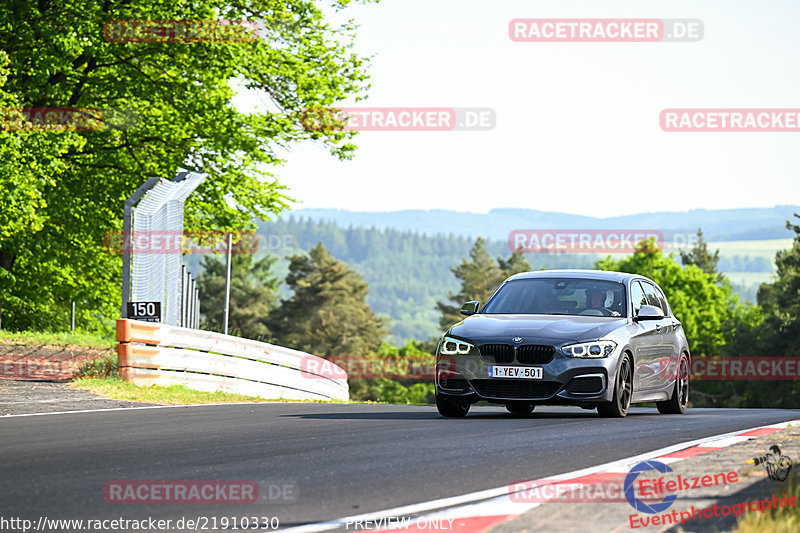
(577, 123)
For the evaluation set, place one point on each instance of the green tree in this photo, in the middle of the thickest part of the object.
(771, 329)
(781, 300)
(515, 264)
(30, 162)
(253, 294)
(699, 256)
(66, 189)
(702, 305)
(479, 276)
(327, 313)
(412, 347)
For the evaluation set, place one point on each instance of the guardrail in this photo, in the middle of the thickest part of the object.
(153, 353)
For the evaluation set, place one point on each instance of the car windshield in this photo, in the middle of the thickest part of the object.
(559, 296)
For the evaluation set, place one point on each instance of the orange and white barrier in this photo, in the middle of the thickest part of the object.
(159, 354)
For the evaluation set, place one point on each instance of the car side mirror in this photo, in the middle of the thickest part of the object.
(470, 308)
(649, 312)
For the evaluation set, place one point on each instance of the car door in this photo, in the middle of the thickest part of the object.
(666, 360)
(645, 343)
(670, 334)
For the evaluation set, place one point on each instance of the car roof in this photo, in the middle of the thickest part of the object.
(603, 275)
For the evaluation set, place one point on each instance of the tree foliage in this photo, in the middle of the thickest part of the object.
(781, 300)
(327, 313)
(62, 191)
(253, 294)
(771, 329)
(697, 300)
(479, 276)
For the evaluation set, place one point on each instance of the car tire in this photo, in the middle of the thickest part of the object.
(623, 391)
(520, 408)
(451, 407)
(680, 395)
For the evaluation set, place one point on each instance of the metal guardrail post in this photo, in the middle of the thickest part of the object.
(227, 286)
(196, 308)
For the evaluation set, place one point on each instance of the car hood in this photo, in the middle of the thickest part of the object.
(530, 327)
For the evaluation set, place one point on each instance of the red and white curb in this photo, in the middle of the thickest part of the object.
(480, 511)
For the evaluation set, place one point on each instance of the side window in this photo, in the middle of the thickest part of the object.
(663, 300)
(638, 298)
(652, 297)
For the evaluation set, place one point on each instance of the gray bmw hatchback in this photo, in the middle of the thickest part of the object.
(595, 339)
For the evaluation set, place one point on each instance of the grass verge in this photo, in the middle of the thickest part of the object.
(116, 389)
(782, 520)
(38, 338)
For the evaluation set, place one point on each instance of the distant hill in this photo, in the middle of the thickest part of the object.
(717, 225)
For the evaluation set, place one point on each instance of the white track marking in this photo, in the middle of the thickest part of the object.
(141, 408)
(495, 501)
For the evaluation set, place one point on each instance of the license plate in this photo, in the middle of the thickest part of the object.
(529, 372)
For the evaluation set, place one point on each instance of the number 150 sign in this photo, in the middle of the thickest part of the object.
(147, 311)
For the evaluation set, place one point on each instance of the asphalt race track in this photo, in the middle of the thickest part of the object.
(345, 459)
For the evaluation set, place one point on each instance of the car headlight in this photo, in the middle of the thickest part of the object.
(590, 350)
(452, 346)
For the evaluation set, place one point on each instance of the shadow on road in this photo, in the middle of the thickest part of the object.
(422, 413)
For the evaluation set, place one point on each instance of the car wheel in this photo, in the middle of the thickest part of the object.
(451, 407)
(680, 396)
(520, 408)
(623, 390)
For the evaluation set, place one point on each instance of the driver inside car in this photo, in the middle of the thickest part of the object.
(597, 300)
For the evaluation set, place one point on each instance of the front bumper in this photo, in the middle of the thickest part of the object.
(565, 380)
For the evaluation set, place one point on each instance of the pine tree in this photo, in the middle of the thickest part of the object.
(515, 264)
(700, 256)
(479, 276)
(327, 313)
(781, 300)
(253, 294)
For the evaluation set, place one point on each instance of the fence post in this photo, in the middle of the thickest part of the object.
(227, 286)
